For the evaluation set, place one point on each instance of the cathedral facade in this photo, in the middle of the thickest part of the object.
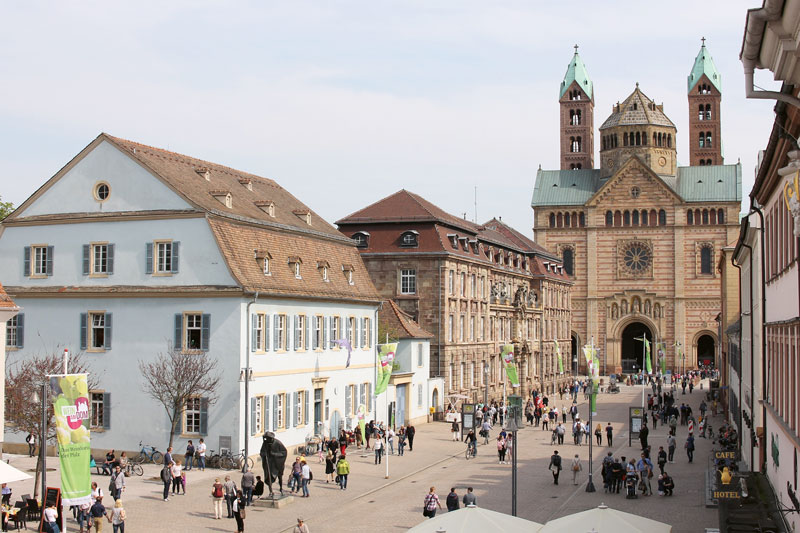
(639, 235)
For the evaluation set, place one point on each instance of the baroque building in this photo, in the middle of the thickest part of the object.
(474, 286)
(640, 236)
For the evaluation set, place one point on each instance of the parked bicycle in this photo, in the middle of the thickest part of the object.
(148, 454)
(228, 461)
(314, 446)
(133, 469)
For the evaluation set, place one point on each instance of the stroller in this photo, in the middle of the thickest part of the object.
(630, 488)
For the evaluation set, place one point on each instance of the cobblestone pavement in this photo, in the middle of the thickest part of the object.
(375, 503)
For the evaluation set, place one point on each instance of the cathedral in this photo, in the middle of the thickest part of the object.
(640, 236)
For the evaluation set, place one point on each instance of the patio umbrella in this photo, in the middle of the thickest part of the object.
(475, 519)
(603, 519)
(9, 474)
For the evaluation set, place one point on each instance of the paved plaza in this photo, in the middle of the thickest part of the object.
(374, 503)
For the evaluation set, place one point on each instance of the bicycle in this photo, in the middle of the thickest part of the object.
(212, 459)
(148, 454)
(471, 451)
(314, 446)
(239, 461)
(133, 469)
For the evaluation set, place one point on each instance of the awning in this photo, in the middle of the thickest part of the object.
(9, 474)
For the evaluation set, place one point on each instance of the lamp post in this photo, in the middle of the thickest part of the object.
(485, 382)
(512, 425)
(42, 395)
(592, 385)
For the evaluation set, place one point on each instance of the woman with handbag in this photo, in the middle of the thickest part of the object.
(117, 517)
(239, 511)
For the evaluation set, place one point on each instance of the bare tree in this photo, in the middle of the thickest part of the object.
(177, 376)
(24, 378)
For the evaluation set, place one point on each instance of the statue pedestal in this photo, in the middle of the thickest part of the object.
(278, 502)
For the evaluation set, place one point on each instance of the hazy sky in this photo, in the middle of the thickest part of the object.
(344, 103)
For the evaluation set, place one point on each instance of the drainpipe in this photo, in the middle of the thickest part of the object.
(248, 324)
(439, 333)
(752, 347)
(755, 207)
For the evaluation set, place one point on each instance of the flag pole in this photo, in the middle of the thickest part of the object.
(592, 403)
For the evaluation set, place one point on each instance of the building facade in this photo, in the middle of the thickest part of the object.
(130, 251)
(474, 287)
(639, 236)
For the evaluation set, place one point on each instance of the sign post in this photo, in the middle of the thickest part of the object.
(636, 417)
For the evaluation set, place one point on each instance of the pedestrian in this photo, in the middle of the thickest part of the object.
(643, 432)
(454, 430)
(609, 435)
(117, 517)
(390, 440)
(31, 440)
(452, 500)
(576, 468)
(83, 516)
(662, 458)
(6, 492)
(119, 483)
(555, 466)
(431, 503)
(188, 457)
(330, 468)
(560, 430)
(669, 484)
(598, 434)
(230, 494)
(305, 474)
(258, 490)
(645, 470)
(248, 484)
(378, 446)
(98, 512)
(166, 478)
(176, 471)
(617, 473)
(690, 447)
(301, 527)
(201, 454)
(217, 495)
(342, 471)
(671, 447)
(238, 511)
(51, 518)
(167, 456)
(469, 498)
(296, 475)
(401, 441)
(501, 449)
(410, 432)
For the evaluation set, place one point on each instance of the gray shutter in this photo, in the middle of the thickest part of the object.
(369, 396)
(348, 401)
(110, 259)
(148, 258)
(267, 319)
(275, 336)
(253, 328)
(308, 332)
(87, 250)
(347, 328)
(204, 416)
(107, 333)
(49, 261)
(106, 410)
(357, 333)
(265, 414)
(294, 333)
(177, 341)
(20, 330)
(205, 332)
(253, 415)
(84, 319)
(362, 393)
(324, 334)
(308, 407)
(294, 409)
(176, 245)
(26, 265)
(274, 412)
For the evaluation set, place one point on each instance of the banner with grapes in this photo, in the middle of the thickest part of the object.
(71, 408)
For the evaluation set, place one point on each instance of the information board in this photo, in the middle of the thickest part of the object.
(636, 417)
(52, 497)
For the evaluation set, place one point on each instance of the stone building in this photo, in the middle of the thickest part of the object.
(640, 236)
(474, 287)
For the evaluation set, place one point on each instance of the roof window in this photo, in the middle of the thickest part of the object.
(304, 215)
(409, 239)
(267, 206)
(224, 197)
(361, 238)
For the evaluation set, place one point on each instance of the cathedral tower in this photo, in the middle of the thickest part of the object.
(705, 96)
(576, 97)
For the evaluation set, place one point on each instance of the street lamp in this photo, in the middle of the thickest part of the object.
(42, 396)
(485, 382)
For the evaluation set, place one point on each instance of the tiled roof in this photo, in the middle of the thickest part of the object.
(565, 187)
(395, 321)
(187, 176)
(239, 241)
(5, 300)
(520, 240)
(637, 109)
(714, 183)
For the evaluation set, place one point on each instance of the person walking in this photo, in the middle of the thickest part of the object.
(555, 466)
(469, 498)
(576, 468)
(296, 475)
(690, 447)
(176, 477)
(643, 432)
(98, 512)
(661, 459)
(167, 456)
(305, 475)
(330, 467)
(188, 457)
(609, 435)
(598, 434)
(217, 495)
(431, 503)
(501, 449)
(401, 441)
(166, 478)
(560, 430)
(238, 511)
(119, 483)
(390, 440)
(201, 454)
(248, 484)
(454, 430)
(51, 518)
(31, 440)
(117, 517)
(230, 494)
(301, 527)
(342, 471)
(378, 447)
(671, 447)
(452, 500)
(410, 432)
(645, 470)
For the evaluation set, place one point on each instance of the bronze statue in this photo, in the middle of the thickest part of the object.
(273, 459)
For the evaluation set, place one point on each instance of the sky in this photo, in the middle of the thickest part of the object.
(344, 102)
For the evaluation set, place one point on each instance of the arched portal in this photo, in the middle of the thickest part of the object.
(633, 349)
(574, 353)
(706, 352)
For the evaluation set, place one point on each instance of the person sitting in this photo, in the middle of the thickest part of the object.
(669, 484)
(108, 466)
(258, 491)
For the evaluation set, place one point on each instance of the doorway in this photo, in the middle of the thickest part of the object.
(400, 410)
(574, 353)
(336, 423)
(706, 351)
(317, 411)
(633, 347)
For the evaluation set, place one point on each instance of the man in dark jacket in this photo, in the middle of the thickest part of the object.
(166, 478)
(555, 466)
(643, 432)
(452, 500)
(410, 431)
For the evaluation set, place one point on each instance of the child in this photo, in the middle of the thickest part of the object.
(183, 481)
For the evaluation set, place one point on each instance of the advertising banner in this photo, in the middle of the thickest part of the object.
(560, 360)
(385, 365)
(71, 407)
(508, 360)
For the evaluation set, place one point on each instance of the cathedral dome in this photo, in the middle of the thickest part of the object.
(636, 110)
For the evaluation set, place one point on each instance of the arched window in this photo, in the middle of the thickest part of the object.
(655, 139)
(712, 215)
(701, 138)
(644, 138)
(644, 217)
(689, 217)
(705, 216)
(659, 140)
(567, 220)
(720, 216)
(552, 220)
(609, 218)
(617, 219)
(409, 238)
(701, 115)
(603, 141)
(705, 260)
(616, 140)
(625, 139)
(638, 139)
(708, 162)
(652, 218)
(568, 259)
(669, 140)
(560, 220)
(582, 220)
(702, 162)
(708, 111)
(626, 217)
(635, 216)
(361, 238)
(697, 217)
(662, 218)
(708, 139)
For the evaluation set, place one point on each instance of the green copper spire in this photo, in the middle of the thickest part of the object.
(703, 64)
(576, 71)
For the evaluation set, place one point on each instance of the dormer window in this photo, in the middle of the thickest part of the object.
(361, 238)
(474, 245)
(323, 266)
(348, 272)
(264, 259)
(304, 215)
(464, 244)
(409, 239)
(267, 206)
(224, 197)
(204, 173)
(247, 183)
(453, 239)
(295, 263)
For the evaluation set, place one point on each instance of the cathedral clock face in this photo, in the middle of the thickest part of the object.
(637, 257)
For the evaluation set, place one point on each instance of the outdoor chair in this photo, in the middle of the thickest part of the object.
(19, 518)
(33, 511)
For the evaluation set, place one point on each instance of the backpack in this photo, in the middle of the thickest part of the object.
(217, 492)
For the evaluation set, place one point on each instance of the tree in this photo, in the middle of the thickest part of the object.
(5, 208)
(24, 378)
(178, 376)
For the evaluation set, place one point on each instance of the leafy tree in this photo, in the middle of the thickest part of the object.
(5, 208)
(177, 376)
(24, 378)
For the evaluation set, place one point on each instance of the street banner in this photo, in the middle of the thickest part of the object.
(593, 398)
(587, 353)
(648, 364)
(386, 360)
(361, 415)
(511, 369)
(71, 407)
(560, 360)
(662, 358)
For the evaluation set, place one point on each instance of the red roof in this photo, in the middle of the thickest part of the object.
(395, 321)
(5, 300)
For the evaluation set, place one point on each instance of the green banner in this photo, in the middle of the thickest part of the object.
(648, 364)
(386, 362)
(71, 408)
(560, 360)
(361, 415)
(511, 369)
(662, 358)
(593, 399)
